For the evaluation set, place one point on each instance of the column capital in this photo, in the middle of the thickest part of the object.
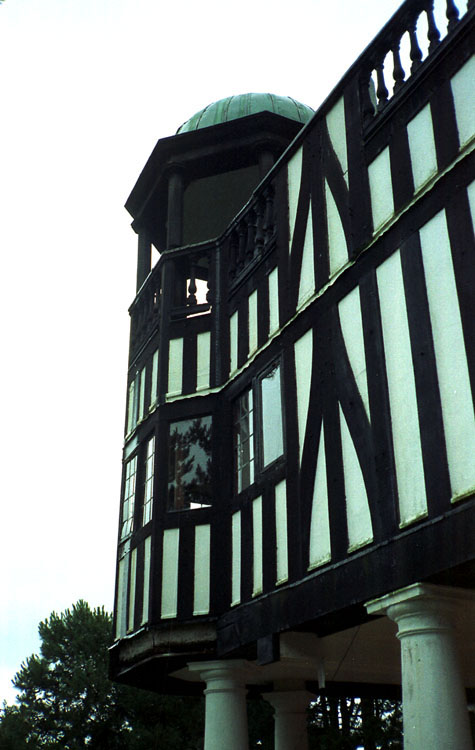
(234, 671)
(420, 598)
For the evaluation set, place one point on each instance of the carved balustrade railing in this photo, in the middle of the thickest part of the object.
(410, 38)
(145, 311)
(251, 234)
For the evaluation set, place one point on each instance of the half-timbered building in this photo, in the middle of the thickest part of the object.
(299, 459)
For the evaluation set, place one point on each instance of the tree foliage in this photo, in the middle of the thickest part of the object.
(67, 701)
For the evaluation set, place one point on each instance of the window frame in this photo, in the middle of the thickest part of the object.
(193, 506)
(255, 387)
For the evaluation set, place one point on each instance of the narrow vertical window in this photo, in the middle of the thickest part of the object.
(131, 419)
(154, 387)
(271, 416)
(129, 497)
(148, 482)
(132, 587)
(189, 463)
(141, 394)
(146, 578)
(244, 441)
(136, 400)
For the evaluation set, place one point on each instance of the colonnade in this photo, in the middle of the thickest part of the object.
(434, 703)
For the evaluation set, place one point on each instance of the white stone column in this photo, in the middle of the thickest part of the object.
(290, 718)
(434, 701)
(225, 704)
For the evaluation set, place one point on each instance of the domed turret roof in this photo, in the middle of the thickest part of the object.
(234, 107)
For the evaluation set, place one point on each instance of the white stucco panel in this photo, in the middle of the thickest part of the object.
(337, 131)
(463, 90)
(402, 392)
(358, 517)
(236, 558)
(303, 372)
(257, 582)
(381, 188)
(273, 281)
(307, 273)
(337, 246)
(451, 358)
(349, 310)
(282, 552)
(171, 542)
(175, 367)
(203, 346)
(294, 176)
(320, 545)
(202, 569)
(422, 147)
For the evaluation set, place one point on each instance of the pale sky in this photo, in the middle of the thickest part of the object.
(87, 88)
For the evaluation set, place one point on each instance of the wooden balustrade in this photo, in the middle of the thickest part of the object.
(251, 234)
(410, 37)
(145, 311)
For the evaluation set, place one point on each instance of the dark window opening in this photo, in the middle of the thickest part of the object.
(189, 464)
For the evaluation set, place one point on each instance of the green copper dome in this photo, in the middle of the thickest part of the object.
(234, 107)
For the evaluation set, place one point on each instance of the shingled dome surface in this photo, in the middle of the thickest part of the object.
(234, 107)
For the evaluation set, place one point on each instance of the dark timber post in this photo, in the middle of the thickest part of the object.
(144, 260)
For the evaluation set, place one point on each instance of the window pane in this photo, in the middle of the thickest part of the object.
(243, 441)
(148, 481)
(189, 463)
(129, 497)
(272, 436)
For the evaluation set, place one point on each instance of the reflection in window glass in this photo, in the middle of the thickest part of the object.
(189, 463)
(148, 482)
(271, 417)
(129, 497)
(244, 441)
